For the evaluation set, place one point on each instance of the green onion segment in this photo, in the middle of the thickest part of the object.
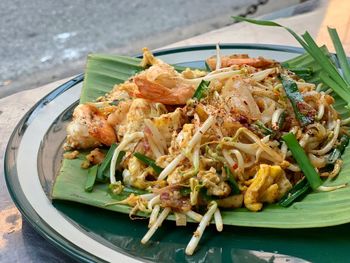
(148, 161)
(303, 161)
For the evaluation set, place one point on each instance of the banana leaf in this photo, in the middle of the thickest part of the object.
(317, 209)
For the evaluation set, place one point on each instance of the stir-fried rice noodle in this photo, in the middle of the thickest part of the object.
(236, 122)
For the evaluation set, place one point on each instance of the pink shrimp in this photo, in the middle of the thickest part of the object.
(155, 92)
(89, 128)
(239, 60)
(118, 116)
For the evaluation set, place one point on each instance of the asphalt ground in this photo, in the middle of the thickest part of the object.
(45, 40)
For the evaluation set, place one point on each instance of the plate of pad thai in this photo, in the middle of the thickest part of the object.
(231, 139)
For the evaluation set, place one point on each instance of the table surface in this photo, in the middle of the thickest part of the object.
(18, 240)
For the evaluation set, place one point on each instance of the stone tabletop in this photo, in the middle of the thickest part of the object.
(18, 241)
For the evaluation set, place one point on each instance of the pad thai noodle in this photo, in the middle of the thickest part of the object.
(203, 141)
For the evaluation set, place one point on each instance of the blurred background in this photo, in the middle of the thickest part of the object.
(45, 40)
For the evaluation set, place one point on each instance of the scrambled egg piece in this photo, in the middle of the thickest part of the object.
(137, 173)
(193, 73)
(213, 183)
(131, 119)
(180, 141)
(170, 122)
(269, 185)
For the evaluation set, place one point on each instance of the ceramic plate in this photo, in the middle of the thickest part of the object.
(33, 158)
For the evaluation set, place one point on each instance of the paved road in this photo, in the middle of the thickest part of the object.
(42, 40)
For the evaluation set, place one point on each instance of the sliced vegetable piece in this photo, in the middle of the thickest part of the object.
(263, 128)
(132, 190)
(298, 190)
(91, 178)
(304, 163)
(116, 188)
(281, 120)
(232, 182)
(148, 161)
(339, 150)
(185, 191)
(207, 67)
(304, 73)
(201, 89)
(296, 100)
(103, 169)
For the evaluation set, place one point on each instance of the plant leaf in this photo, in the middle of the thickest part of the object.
(104, 71)
(315, 210)
(343, 60)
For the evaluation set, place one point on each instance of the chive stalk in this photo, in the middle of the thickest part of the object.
(132, 190)
(304, 73)
(298, 190)
(148, 161)
(301, 158)
(339, 150)
(231, 180)
(201, 89)
(296, 99)
(91, 178)
(281, 120)
(263, 128)
(102, 172)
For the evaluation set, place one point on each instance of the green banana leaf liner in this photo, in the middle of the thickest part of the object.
(317, 209)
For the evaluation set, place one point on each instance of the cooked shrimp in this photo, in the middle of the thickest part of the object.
(119, 115)
(89, 128)
(239, 60)
(159, 93)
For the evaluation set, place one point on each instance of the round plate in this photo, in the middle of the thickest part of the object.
(33, 158)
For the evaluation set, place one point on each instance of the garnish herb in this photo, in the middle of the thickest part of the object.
(263, 128)
(185, 191)
(148, 161)
(91, 178)
(207, 67)
(281, 120)
(231, 180)
(103, 169)
(298, 190)
(132, 190)
(304, 73)
(201, 89)
(303, 161)
(296, 100)
(339, 150)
